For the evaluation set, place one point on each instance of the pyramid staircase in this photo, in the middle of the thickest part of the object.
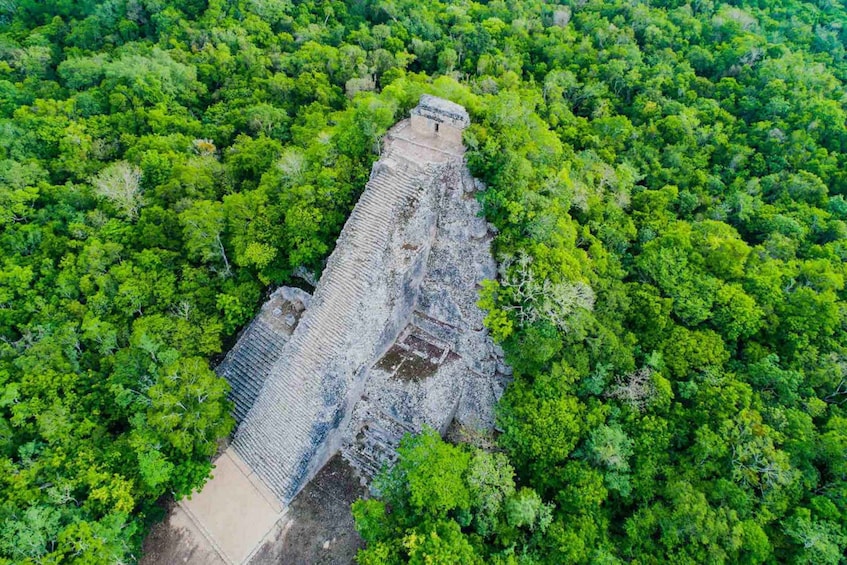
(303, 395)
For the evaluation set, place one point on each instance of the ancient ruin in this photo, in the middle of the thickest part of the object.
(392, 338)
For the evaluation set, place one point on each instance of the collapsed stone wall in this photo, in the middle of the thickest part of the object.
(443, 366)
(392, 338)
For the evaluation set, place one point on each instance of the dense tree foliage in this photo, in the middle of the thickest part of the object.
(160, 165)
(439, 501)
(670, 207)
(668, 184)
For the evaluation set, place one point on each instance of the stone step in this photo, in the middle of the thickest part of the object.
(444, 332)
(254, 353)
(249, 387)
(364, 465)
(266, 340)
(389, 184)
(248, 384)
